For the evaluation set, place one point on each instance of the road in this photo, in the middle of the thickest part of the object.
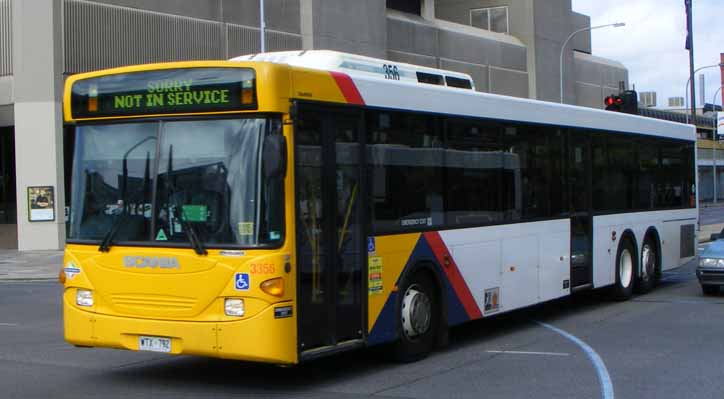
(711, 215)
(667, 344)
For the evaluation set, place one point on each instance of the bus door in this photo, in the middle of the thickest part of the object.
(330, 235)
(579, 172)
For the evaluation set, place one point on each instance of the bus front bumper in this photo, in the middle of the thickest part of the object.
(261, 338)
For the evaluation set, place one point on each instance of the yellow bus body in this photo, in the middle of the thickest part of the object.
(187, 304)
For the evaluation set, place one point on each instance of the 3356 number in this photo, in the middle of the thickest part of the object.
(391, 72)
(262, 268)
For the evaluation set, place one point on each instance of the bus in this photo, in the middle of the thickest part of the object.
(281, 207)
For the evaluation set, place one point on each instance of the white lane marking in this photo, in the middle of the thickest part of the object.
(603, 377)
(531, 353)
(9, 324)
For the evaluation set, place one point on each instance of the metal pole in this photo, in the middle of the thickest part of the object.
(690, 43)
(565, 43)
(688, 82)
(715, 146)
(262, 26)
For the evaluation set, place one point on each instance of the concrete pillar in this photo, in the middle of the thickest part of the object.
(428, 9)
(37, 66)
(352, 26)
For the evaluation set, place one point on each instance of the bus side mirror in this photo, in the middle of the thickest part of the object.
(274, 161)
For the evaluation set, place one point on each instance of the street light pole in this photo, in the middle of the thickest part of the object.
(715, 145)
(262, 26)
(616, 25)
(686, 93)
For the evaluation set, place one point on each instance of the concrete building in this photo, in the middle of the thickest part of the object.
(676, 102)
(510, 47)
(647, 99)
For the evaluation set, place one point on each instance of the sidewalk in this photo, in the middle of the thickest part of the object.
(707, 230)
(29, 265)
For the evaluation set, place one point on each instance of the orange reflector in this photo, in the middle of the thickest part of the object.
(92, 104)
(274, 286)
(247, 96)
(61, 276)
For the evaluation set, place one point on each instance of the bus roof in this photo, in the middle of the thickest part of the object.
(357, 65)
(378, 90)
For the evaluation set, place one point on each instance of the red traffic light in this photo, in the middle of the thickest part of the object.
(613, 103)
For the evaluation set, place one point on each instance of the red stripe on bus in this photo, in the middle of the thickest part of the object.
(453, 274)
(348, 88)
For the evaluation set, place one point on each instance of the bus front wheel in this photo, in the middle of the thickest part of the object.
(418, 317)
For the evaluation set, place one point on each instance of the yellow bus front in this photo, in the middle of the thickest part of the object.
(181, 234)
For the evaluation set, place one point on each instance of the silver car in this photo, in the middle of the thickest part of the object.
(710, 271)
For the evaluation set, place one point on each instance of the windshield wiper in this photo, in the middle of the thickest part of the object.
(108, 238)
(189, 230)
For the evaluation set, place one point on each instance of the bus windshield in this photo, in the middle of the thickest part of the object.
(155, 181)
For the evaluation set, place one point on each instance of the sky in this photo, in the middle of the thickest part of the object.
(651, 45)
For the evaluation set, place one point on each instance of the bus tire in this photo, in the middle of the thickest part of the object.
(649, 267)
(625, 270)
(418, 316)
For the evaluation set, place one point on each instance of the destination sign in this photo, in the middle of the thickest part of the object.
(167, 91)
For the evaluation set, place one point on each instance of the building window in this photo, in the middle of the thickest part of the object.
(408, 6)
(492, 18)
(676, 102)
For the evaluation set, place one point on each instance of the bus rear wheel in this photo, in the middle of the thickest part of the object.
(649, 268)
(625, 267)
(418, 317)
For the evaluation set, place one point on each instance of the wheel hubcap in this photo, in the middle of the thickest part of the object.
(648, 259)
(416, 312)
(625, 268)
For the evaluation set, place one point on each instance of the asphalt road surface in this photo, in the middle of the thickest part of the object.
(711, 215)
(667, 344)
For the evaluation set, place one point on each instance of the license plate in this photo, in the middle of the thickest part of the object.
(154, 344)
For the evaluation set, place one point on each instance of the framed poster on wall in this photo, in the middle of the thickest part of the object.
(41, 204)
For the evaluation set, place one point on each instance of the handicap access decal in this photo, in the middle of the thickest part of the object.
(241, 281)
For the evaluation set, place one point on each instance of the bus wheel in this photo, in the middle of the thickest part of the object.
(647, 279)
(418, 317)
(625, 267)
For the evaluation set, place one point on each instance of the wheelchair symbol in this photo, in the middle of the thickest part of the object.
(241, 281)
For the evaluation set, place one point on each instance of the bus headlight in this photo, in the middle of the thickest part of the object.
(84, 298)
(234, 307)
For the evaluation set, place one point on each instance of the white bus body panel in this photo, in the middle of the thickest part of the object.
(527, 262)
(667, 224)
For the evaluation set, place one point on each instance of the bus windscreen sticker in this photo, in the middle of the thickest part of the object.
(161, 236)
(246, 228)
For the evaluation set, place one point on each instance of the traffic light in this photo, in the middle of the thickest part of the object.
(627, 102)
(613, 103)
(630, 102)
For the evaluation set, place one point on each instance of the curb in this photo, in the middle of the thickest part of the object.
(28, 280)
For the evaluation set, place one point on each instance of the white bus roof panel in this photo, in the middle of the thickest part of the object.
(408, 94)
